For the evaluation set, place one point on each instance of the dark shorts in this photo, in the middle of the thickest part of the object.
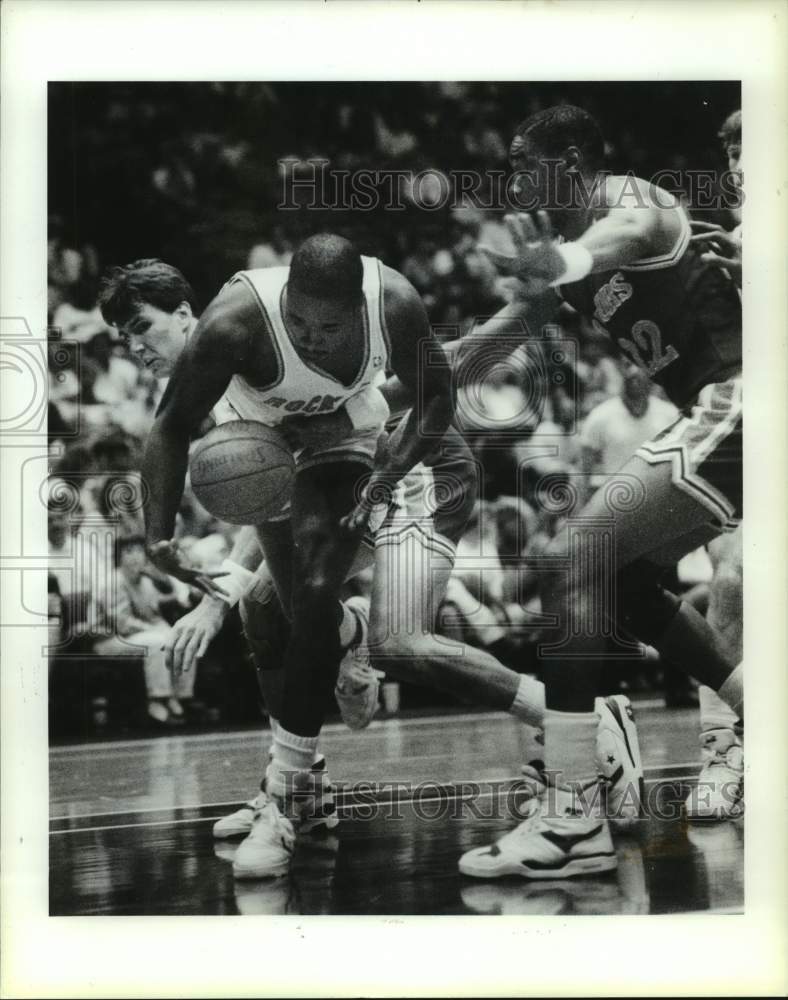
(704, 447)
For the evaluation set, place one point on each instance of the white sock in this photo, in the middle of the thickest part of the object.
(528, 704)
(292, 752)
(714, 713)
(732, 690)
(275, 729)
(570, 746)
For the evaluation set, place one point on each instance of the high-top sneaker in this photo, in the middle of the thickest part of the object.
(618, 761)
(358, 684)
(565, 833)
(239, 823)
(268, 849)
(719, 793)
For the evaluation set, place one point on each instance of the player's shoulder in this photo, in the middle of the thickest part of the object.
(402, 304)
(629, 191)
(230, 316)
(663, 216)
(396, 286)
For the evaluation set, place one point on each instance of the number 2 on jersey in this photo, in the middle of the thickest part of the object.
(645, 348)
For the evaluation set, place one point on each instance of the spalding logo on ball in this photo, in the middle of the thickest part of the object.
(242, 472)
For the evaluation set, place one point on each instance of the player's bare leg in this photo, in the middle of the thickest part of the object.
(412, 570)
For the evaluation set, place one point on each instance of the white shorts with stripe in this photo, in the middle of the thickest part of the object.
(704, 447)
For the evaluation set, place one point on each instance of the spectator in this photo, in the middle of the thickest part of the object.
(134, 606)
(614, 430)
(78, 316)
(72, 560)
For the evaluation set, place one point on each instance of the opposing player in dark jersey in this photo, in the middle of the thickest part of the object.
(618, 250)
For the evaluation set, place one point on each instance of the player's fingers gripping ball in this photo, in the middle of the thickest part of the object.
(242, 472)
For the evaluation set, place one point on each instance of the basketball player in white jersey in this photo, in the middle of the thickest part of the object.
(303, 342)
(414, 548)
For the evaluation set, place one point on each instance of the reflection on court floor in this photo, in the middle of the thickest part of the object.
(131, 827)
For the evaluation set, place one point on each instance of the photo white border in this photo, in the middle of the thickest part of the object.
(453, 956)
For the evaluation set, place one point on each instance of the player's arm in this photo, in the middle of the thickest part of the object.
(423, 369)
(516, 322)
(626, 234)
(420, 363)
(215, 352)
(190, 637)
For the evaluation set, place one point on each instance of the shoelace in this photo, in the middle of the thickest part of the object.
(528, 825)
(258, 801)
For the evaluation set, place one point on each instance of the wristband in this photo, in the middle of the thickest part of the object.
(367, 410)
(236, 583)
(577, 263)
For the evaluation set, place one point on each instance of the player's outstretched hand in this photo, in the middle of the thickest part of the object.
(167, 557)
(371, 508)
(536, 261)
(191, 635)
(719, 247)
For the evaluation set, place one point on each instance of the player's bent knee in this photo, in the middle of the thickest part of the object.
(266, 630)
(416, 658)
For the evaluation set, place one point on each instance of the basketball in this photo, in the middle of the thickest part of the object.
(242, 472)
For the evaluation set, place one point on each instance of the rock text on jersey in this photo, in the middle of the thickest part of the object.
(317, 404)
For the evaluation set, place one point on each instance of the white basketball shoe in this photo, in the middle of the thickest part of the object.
(564, 834)
(239, 823)
(719, 793)
(358, 684)
(294, 800)
(268, 849)
(618, 761)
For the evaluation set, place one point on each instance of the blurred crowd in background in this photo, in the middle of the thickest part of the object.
(190, 173)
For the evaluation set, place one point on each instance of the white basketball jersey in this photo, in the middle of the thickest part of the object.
(301, 388)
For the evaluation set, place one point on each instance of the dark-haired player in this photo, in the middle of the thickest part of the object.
(624, 260)
(307, 343)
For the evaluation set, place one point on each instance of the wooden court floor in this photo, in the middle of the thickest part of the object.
(130, 827)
